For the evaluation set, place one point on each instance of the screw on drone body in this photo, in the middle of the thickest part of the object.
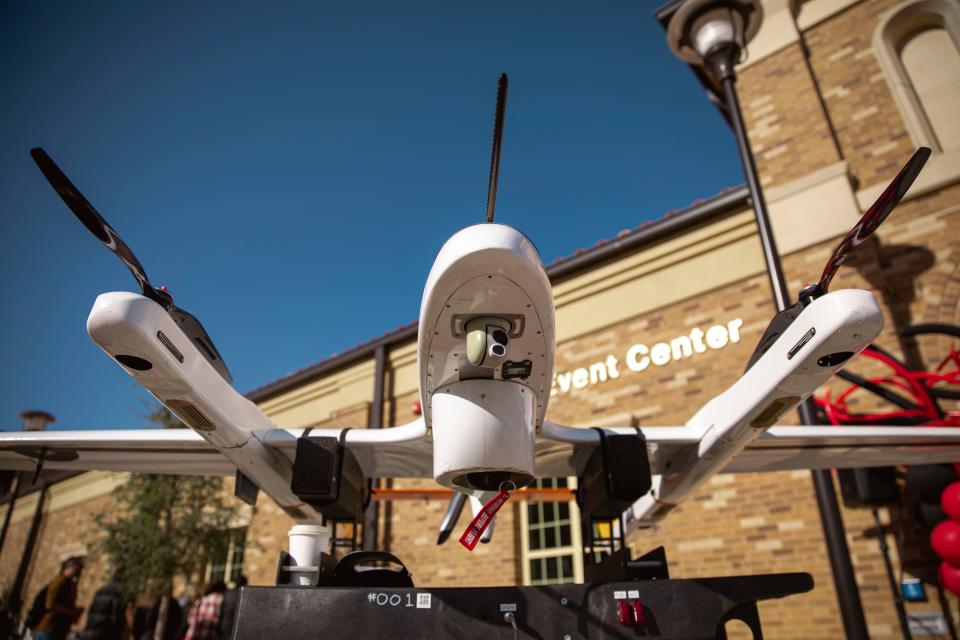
(510, 618)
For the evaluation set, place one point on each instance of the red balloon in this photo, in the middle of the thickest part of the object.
(950, 578)
(945, 540)
(950, 500)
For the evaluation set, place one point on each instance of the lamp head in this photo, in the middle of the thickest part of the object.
(700, 28)
(36, 420)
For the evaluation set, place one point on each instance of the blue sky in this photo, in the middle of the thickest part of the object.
(289, 170)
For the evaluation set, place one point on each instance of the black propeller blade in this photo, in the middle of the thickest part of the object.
(874, 216)
(868, 223)
(99, 227)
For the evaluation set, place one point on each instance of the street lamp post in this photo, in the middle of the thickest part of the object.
(11, 503)
(32, 421)
(712, 34)
(36, 420)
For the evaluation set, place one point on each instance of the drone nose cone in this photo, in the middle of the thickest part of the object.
(485, 248)
(487, 270)
(494, 236)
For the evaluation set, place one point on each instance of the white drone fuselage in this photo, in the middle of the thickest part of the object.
(485, 356)
(482, 425)
(484, 413)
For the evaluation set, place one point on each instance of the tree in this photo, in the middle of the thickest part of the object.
(165, 526)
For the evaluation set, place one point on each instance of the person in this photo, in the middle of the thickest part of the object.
(186, 600)
(107, 619)
(204, 623)
(228, 608)
(139, 628)
(36, 611)
(61, 603)
(7, 621)
(172, 622)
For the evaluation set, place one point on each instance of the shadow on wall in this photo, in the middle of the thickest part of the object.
(893, 271)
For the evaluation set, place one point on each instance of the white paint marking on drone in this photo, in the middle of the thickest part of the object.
(639, 357)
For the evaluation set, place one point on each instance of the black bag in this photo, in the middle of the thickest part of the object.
(37, 609)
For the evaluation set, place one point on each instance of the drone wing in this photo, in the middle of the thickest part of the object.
(402, 451)
(826, 447)
(167, 451)
(407, 452)
(783, 448)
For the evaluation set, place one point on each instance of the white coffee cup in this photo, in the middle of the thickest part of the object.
(307, 541)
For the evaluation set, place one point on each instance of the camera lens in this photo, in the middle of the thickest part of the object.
(499, 335)
(498, 350)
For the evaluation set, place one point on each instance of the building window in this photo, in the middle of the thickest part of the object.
(229, 567)
(551, 546)
(932, 63)
(918, 47)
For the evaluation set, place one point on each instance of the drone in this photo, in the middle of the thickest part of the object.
(485, 356)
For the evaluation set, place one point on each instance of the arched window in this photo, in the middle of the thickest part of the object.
(918, 48)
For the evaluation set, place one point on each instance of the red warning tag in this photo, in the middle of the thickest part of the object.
(479, 524)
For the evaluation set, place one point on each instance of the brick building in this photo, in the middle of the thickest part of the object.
(837, 94)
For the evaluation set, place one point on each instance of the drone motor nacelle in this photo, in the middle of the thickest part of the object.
(143, 338)
(485, 357)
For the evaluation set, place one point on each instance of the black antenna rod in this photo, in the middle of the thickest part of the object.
(497, 140)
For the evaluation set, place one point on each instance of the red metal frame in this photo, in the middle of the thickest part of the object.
(918, 388)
